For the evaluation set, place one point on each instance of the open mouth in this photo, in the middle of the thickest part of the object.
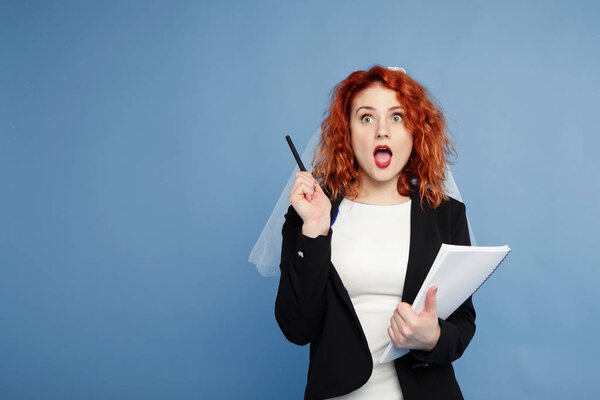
(383, 156)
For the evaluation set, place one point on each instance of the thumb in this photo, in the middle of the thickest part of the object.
(431, 301)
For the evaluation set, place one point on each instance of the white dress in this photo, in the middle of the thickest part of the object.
(369, 249)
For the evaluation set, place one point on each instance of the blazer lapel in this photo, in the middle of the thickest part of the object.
(425, 242)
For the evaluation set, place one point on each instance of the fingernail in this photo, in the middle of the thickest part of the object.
(435, 290)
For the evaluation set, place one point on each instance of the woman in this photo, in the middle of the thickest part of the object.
(359, 238)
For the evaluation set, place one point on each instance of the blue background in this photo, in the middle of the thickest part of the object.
(142, 150)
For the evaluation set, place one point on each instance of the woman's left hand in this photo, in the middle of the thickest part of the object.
(413, 331)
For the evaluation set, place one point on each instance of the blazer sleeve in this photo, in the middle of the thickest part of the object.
(305, 265)
(458, 329)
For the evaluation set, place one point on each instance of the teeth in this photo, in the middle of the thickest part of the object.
(382, 149)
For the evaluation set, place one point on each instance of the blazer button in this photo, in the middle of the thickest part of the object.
(301, 254)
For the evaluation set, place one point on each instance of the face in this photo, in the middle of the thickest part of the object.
(381, 143)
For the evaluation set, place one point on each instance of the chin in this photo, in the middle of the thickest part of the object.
(384, 175)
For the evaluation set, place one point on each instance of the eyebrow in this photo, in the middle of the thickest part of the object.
(371, 108)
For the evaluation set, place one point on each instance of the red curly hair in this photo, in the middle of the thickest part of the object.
(334, 165)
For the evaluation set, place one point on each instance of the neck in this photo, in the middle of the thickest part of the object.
(379, 193)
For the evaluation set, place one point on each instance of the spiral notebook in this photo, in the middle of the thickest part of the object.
(458, 271)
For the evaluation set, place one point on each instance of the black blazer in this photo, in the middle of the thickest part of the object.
(313, 306)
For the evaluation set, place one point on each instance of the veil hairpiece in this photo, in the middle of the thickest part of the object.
(266, 252)
(397, 69)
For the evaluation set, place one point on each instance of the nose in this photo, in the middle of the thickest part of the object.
(382, 130)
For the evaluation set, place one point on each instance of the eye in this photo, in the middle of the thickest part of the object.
(397, 117)
(367, 118)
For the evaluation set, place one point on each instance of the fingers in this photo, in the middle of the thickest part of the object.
(302, 190)
(307, 178)
(405, 314)
(304, 186)
(431, 301)
(400, 328)
(395, 333)
(411, 331)
(392, 336)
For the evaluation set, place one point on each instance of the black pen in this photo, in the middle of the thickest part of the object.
(295, 153)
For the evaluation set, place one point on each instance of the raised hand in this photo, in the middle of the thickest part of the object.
(311, 204)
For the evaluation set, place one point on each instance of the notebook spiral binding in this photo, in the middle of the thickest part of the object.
(494, 270)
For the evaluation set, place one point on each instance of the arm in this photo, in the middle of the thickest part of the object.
(305, 264)
(458, 329)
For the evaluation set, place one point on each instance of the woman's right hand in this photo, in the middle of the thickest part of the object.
(311, 204)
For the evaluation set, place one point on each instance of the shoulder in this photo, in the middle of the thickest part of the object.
(448, 206)
(452, 205)
(448, 215)
(455, 212)
(449, 219)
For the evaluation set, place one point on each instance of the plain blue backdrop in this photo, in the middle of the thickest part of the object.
(142, 150)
